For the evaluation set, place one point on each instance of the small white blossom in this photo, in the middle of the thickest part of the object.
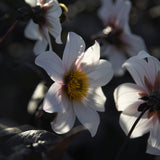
(45, 20)
(118, 41)
(131, 99)
(77, 88)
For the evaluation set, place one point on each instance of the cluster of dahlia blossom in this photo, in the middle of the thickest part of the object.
(78, 77)
(118, 43)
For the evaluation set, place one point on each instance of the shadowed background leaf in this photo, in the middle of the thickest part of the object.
(34, 144)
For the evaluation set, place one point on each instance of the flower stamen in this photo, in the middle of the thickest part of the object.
(152, 102)
(112, 35)
(75, 85)
(38, 15)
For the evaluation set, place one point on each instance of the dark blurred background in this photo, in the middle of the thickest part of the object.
(19, 76)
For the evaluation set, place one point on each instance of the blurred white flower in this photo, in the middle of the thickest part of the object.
(118, 42)
(77, 88)
(131, 99)
(45, 20)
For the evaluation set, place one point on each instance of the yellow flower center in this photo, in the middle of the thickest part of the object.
(75, 85)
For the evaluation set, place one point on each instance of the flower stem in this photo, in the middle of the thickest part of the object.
(124, 145)
(9, 31)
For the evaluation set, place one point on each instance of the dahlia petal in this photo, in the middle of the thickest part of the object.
(42, 2)
(122, 9)
(74, 48)
(101, 74)
(55, 10)
(32, 31)
(152, 150)
(154, 67)
(138, 69)
(55, 29)
(45, 2)
(91, 55)
(142, 55)
(45, 33)
(105, 11)
(52, 101)
(117, 58)
(88, 117)
(64, 121)
(96, 99)
(106, 50)
(127, 96)
(32, 3)
(134, 43)
(154, 141)
(127, 29)
(143, 126)
(52, 64)
(40, 46)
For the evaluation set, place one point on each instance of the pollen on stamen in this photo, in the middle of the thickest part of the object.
(76, 85)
